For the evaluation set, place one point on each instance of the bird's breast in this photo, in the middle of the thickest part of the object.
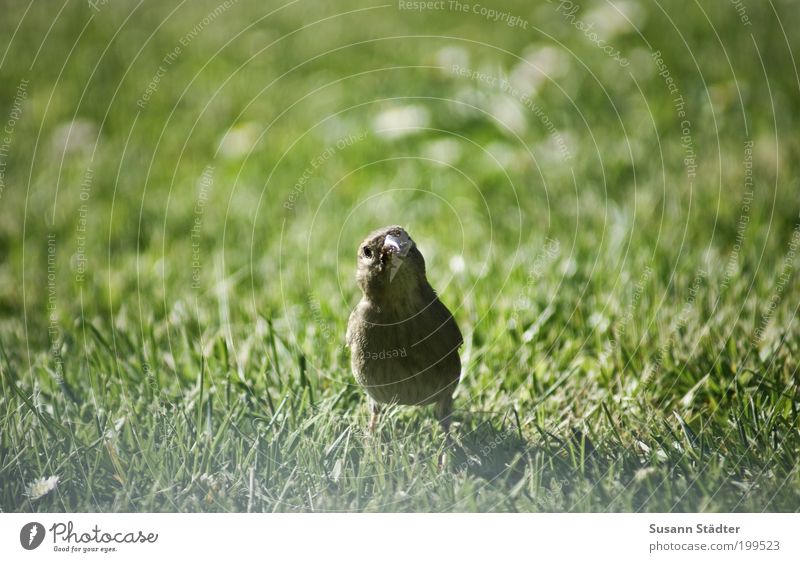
(401, 358)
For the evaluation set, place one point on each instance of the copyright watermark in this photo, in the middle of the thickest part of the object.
(492, 14)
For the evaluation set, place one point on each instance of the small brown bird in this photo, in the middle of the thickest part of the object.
(403, 340)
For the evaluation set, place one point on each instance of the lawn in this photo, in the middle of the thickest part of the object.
(606, 196)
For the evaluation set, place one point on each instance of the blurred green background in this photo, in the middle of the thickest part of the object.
(184, 186)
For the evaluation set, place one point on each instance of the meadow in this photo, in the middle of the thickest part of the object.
(606, 196)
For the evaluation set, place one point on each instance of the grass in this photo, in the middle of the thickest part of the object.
(630, 322)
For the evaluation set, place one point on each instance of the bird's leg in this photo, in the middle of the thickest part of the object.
(375, 411)
(444, 413)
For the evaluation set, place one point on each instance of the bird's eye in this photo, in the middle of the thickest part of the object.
(367, 252)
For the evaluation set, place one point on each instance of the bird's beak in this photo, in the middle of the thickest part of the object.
(399, 245)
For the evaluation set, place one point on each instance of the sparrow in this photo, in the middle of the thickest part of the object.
(403, 341)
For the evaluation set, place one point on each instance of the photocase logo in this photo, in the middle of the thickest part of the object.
(31, 535)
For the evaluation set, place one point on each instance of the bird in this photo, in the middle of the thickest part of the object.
(403, 340)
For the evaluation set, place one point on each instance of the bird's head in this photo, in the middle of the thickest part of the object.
(389, 263)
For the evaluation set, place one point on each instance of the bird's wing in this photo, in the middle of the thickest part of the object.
(350, 327)
(447, 324)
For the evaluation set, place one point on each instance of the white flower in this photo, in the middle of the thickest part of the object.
(401, 121)
(501, 154)
(509, 113)
(452, 55)
(568, 267)
(599, 322)
(42, 487)
(457, 264)
(611, 19)
(443, 151)
(239, 140)
(74, 136)
(539, 64)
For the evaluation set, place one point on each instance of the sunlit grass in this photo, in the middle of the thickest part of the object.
(630, 341)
